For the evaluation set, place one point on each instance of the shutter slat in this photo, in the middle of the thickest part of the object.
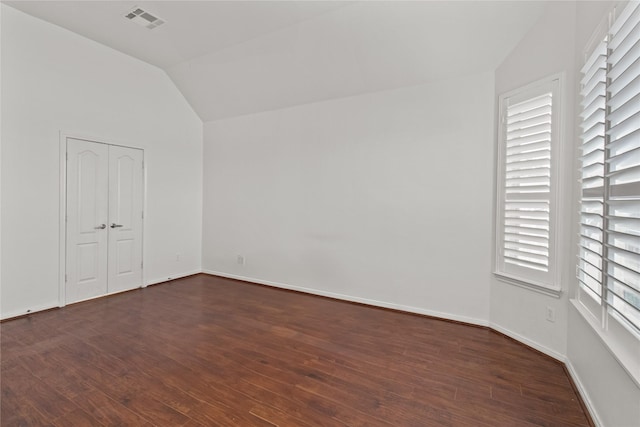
(627, 247)
(624, 111)
(623, 306)
(527, 206)
(629, 226)
(524, 148)
(622, 274)
(625, 143)
(626, 190)
(591, 283)
(592, 207)
(526, 260)
(597, 117)
(627, 177)
(591, 245)
(522, 173)
(528, 189)
(593, 187)
(526, 248)
(594, 131)
(625, 62)
(525, 115)
(624, 23)
(591, 257)
(598, 104)
(528, 157)
(618, 287)
(622, 41)
(522, 231)
(595, 143)
(528, 214)
(627, 77)
(530, 118)
(593, 233)
(530, 104)
(533, 130)
(590, 97)
(624, 94)
(597, 57)
(624, 161)
(595, 169)
(531, 240)
(527, 223)
(625, 259)
(624, 208)
(593, 220)
(513, 142)
(529, 164)
(625, 243)
(625, 127)
(596, 78)
(594, 157)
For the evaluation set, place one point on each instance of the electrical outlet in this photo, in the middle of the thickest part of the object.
(240, 259)
(551, 314)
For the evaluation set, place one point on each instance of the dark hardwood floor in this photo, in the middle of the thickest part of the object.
(210, 351)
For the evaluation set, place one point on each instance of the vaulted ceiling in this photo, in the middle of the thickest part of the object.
(232, 58)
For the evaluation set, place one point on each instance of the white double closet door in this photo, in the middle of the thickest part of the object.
(104, 211)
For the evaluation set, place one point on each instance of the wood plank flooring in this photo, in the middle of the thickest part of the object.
(208, 351)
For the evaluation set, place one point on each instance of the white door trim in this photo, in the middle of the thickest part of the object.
(62, 235)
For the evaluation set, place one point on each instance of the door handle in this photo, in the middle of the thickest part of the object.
(114, 225)
(101, 227)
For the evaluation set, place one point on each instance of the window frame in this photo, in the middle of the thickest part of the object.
(543, 282)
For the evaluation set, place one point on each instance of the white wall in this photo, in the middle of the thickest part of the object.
(384, 197)
(546, 50)
(55, 80)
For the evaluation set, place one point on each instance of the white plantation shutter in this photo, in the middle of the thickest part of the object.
(609, 263)
(526, 189)
(593, 91)
(528, 183)
(623, 169)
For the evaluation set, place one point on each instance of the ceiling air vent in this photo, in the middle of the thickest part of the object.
(144, 18)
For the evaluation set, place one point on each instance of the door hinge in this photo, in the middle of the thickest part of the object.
(67, 155)
(65, 278)
(142, 214)
(141, 264)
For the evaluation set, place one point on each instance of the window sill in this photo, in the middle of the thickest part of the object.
(626, 359)
(535, 287)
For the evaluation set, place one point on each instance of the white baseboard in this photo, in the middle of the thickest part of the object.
(583, 393)
(172, 277)
(528, 342)
(350, 298)
(16, 313)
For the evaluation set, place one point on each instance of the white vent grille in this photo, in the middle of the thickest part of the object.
(144, 18)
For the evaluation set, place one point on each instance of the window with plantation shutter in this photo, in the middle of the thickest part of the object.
(526, 185)
(609, 245)
(593, 90)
